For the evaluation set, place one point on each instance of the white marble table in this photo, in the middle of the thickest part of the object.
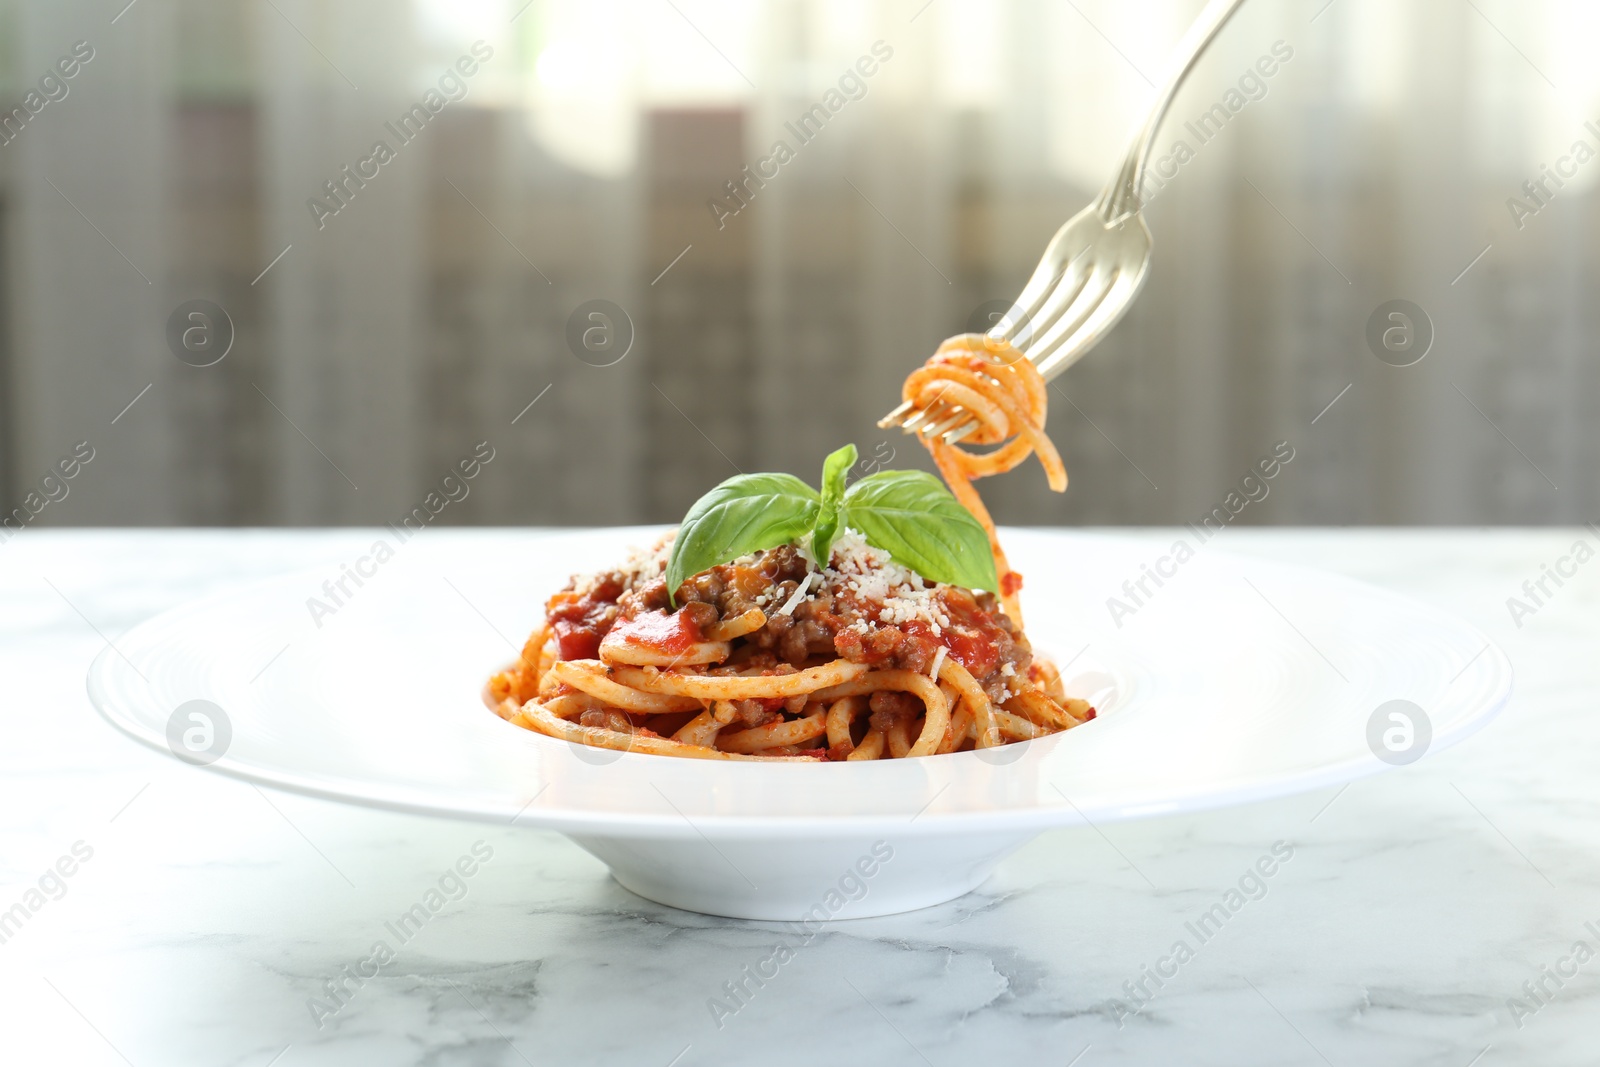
(207, 914)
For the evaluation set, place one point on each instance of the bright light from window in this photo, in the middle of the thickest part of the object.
(454, 22)
(971, 66)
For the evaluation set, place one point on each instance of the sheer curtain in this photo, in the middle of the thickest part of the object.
(590, 159)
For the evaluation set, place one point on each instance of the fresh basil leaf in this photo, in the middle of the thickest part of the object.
(834, 469)
(744, 514)
(914, 518)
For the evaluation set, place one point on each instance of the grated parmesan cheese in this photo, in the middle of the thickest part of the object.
(643, 564)
(866, 574)
(883, 591)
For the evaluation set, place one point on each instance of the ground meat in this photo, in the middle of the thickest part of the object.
(784, 563)
(815, 628)
(734, 603)
(609, 720)
(890, 706)
(652, 596)
(707, 587)
(888, 646)
(702, 615)
(751, 713)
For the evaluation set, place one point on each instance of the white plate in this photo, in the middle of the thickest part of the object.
(1235, 680)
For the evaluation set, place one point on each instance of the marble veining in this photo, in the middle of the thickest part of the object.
(211, 917)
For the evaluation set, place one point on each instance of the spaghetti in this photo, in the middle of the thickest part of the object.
(1005, 393)
(778, 656)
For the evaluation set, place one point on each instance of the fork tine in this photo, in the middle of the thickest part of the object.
(1040, 295)
(1095, 322)
(1069, 286)
(1036, 294)
(1070, 321)
(1116, 303)
(960, 432)
(894, 417)
(932, 413)
(1066, 307)
(960, 416)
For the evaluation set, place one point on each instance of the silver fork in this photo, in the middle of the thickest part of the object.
(1093, 267)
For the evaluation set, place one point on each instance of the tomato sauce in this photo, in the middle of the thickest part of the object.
(669, 634)
(971, 637)
(579, 621)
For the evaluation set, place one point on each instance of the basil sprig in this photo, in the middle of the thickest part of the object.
(908, 514)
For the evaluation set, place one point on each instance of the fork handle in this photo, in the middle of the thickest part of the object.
(1121, 198)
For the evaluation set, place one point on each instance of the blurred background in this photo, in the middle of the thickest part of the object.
(383, 312)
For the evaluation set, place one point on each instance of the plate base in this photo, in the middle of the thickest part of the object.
(778, 880)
